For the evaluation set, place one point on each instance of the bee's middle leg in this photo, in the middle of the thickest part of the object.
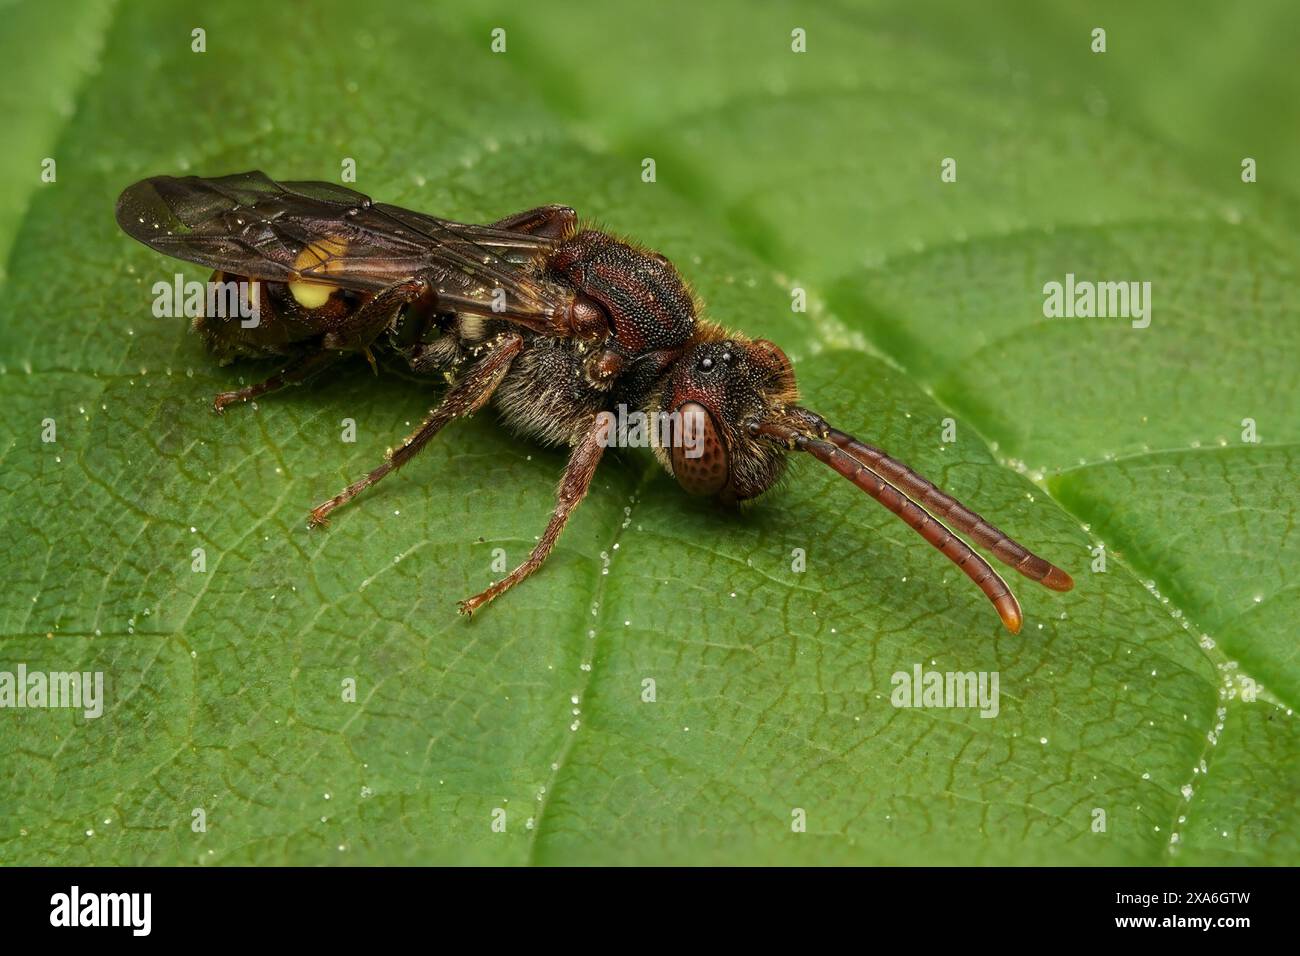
(464, 398)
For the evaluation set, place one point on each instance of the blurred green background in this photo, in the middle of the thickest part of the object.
(775, 170)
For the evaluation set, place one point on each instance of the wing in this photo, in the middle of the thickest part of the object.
(250, 225)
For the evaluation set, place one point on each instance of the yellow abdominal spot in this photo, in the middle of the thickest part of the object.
(323, 255)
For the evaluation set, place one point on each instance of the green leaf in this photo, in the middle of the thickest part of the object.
(1159, 691)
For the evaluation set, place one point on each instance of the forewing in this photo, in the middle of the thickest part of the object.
(248, 224)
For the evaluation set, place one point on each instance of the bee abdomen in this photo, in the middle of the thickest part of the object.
(278, 321)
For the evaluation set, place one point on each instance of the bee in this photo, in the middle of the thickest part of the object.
(554, 322)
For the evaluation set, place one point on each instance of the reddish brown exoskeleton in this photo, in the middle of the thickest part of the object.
(555, 323)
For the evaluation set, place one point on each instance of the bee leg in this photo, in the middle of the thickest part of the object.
(573, 488)
(361, 328)
(297, 371)
(553, 222)
(464, 398)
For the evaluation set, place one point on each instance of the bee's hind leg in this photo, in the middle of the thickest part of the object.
(464, 398)
(553, 222)
(297, 371)
(573, 488)
(353, 336)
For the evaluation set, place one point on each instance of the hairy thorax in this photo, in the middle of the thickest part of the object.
(557, 384)
(548, 394)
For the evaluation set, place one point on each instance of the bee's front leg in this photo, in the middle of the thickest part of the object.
(573, 488)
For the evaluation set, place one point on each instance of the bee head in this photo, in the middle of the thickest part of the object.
(720, 384)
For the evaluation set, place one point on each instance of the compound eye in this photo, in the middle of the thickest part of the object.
(700, 461)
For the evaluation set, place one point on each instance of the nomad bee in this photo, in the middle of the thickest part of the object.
(558, 324)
